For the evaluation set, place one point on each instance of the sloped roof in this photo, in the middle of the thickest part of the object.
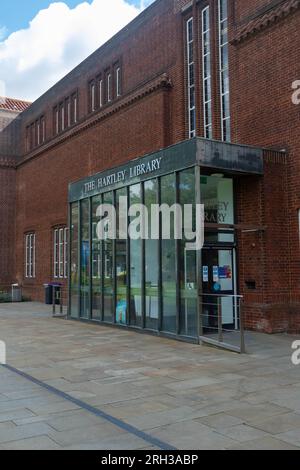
(11, 104)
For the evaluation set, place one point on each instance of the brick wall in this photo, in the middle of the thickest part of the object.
(266, 64)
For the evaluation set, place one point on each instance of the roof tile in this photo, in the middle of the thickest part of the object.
(11, 104)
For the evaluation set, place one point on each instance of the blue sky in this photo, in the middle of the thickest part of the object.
(42, 40)
(16, 14)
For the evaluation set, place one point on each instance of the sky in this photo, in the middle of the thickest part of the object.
(42, 40)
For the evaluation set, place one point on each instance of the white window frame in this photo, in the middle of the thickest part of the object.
(60, 253)
(57, 119)
(93, 97)
(75, 108)
(30, 255)
(38, 130)
(225, 116)
(109, 94)
(101, 93)
(206, 56)
(118, 81)
(43, 130)
(191, 86)
(62, 109)
(69, 113)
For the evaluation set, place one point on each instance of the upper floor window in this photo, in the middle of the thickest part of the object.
(30, 255)
(60, 253)
(108, 88)
(118, 81)
(100, 92)
(92, 96)
(65, 114)
(191, 77)
(35, 133)
(224, 70)
(206, 73)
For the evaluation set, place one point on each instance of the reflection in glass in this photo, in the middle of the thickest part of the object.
(74, 268)
(217, 197)
(121, 267)
(136, 309)
(188, 274)
(168, 196)
(96, 262)
(108, 299)
(85, 260)
(151, 262)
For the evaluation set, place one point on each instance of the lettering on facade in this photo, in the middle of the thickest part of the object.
(121, 176)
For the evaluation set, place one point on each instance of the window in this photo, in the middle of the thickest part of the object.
(118, 81)
(74, 261)
(30, 255)
(38, 132)
(60, 257)
(43, 129)
(109, 94)
(206, 73)
(75, 106)
(35, 134)
(65, 114)
(101, 93)
(62, 116)
(68, 109)
(56, 120)
(224, 70)
(191, 78)
(92, 96)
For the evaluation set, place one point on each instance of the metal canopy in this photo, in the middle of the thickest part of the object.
(208, 154)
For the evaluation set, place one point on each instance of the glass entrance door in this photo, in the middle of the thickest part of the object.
(218, 282)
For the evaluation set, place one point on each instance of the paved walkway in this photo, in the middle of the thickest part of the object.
(93, 387)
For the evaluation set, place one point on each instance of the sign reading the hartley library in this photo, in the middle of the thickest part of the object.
(163, 162)
(123, 175)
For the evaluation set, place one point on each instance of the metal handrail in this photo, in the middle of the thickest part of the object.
(222, 295)
(219, 328)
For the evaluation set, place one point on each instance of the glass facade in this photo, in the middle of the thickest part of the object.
(146, 282)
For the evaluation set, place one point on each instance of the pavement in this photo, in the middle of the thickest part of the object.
(69, 385)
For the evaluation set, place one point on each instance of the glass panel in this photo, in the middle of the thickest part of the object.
(96, 262)
(152, 262)
(108, 270)
(217, 197)
(136, 301)
(219, 280)
(85, 260)
(121, 267)
(168, 196)
(188, 275)
(74, 268)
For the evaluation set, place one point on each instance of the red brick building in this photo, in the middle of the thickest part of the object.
(210, 82)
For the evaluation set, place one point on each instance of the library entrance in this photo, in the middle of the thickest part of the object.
(157, 284)
(219, 288)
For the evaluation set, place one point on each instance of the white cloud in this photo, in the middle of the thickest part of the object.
(57, 39)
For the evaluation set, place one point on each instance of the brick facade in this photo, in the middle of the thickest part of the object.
(151, 114)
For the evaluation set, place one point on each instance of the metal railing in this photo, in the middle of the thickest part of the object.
(222, 321)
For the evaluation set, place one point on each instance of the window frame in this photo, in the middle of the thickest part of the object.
(206, 79)
(30, 255)
(60, 252)
(190, 83)
(223, 71)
